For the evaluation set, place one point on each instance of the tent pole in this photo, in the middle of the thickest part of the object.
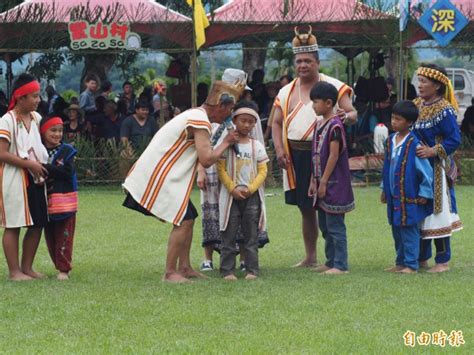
(194, 64)
(400, 69)
(9, 74)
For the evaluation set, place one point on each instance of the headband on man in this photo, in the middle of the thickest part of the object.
(23, 90)
(443, 79)
(50, 122)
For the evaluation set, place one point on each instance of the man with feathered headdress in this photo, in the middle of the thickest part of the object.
(160, 182)
(293, 124)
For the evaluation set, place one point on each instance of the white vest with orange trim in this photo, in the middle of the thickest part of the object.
(14, 208)
(298, 125)
(162, 178)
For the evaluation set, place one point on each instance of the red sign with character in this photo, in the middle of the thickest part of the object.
(85, 35)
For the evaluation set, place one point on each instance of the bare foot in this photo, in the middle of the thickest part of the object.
(406, 270)
(424, 264)
(395, 268)
(35, 275)
(438, 268)
(191, 273)
(320, 268)
(230, 277)
(251, 277)
(334, 271)
(19, 276)
(63, 276)
(305, 263)
(175, 277)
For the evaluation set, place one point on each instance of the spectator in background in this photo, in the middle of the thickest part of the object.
(138, 129)
(95, 119)
(122, 107)
(257, 78)
(202, 92)
(259, 93)
(285, 80)
(74, 126)
(272, 91)
(87, 97)
(52, 97)
(467, 125)
(147, 95)
(129, 96)
(3, 103)
(112, 123)
(106, 90)
(74, 100)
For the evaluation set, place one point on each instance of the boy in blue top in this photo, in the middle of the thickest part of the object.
(407, 188)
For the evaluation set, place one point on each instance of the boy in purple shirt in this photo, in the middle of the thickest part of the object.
(331, 181)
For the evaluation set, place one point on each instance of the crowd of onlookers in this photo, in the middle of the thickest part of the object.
(131, 120)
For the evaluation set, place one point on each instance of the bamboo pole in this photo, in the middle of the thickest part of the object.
(194, 64)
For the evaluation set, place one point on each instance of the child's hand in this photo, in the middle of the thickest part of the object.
(238, 194)
(313, 188)
(37, 168)
(383, 199)
(245, 191)
(422, 201)
(322, 189)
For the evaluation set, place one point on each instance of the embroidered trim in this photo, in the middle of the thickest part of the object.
(336, 209)
(440, 149)
(441, 232)
(431, 115)
(403, 167)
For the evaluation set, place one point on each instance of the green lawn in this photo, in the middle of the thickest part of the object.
(115, 301)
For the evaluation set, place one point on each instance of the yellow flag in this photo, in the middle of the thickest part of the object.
(200, 22)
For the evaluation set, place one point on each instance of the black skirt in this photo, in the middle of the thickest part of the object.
(302, 166)
(191, 212)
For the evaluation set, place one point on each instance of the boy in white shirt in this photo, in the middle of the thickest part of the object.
(241, 198)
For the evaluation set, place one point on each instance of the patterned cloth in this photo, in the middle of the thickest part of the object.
(437, 127)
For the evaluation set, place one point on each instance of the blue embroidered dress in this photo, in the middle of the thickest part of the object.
(437, 127)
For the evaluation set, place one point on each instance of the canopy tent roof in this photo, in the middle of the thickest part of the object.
(42, 24)
(334, 22)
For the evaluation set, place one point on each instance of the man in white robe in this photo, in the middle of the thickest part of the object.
(161, 181)
(292, 130)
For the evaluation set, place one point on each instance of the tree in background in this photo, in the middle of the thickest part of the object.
(282, 54)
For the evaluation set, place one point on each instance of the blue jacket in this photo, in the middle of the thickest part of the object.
(406, 178)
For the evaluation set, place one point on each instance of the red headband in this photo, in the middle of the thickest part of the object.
(54, 121)
(26, 89)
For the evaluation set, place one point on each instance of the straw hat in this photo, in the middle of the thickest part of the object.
(77, 108)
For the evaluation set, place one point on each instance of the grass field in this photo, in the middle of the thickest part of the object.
(115, 302)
